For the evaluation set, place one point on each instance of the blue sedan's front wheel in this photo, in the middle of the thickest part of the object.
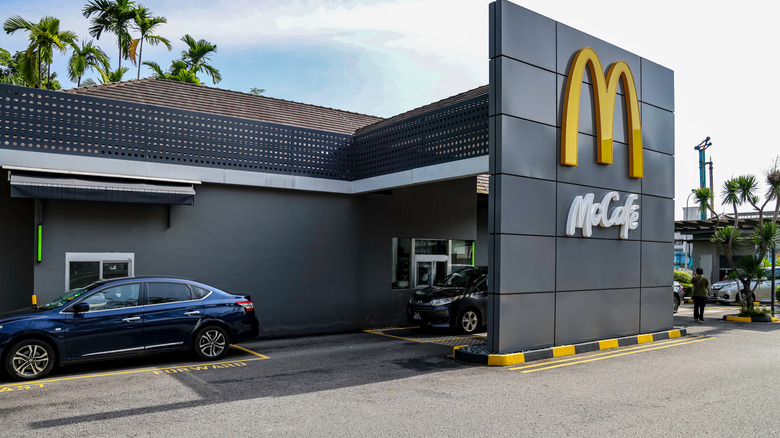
(211, 343)
(29, 359)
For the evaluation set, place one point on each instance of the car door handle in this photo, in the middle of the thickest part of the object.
(134, 318)
(192, 312)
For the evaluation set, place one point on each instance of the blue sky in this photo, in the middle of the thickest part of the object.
(383, 57)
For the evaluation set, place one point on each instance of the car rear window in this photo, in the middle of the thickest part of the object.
(200, 293)
(160, 293)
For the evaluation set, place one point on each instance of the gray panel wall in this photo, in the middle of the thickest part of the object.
(17, 237)
(312, 262)
(548, 288)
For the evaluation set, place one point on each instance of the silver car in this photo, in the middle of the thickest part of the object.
(679, 295)
(727, 291)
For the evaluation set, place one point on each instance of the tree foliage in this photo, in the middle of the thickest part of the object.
(112, 16)
(83, 58)
(198, 55)
(145, 24)
(731, 239)
(9, 69)
(125, 19)
(178, 71)
(193, 61)
(44, 38)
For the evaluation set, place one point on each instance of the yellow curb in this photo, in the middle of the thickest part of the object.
(746, 319)
(501, 360)
(563, 350)
(641, 339)
(607, 344)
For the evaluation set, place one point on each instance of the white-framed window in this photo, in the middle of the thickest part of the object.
(83, 268)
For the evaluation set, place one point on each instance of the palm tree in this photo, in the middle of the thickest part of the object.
(773, 181)
(112, 16)
(108, 76)
(731, 195)
(178, 71)
(145, 24)
(704, 197)
(197, 57)
(45, 36)
(748, 185)
(85, 57)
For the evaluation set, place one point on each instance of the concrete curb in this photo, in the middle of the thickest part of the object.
(564, 350)
(750, 318)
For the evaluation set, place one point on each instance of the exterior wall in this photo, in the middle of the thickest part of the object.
(17, 254)
(312, 262)
(548, 288)
(706, 255)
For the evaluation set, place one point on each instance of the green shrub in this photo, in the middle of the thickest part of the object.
(755, 311)
(777, 292)
(682, 277)
(687, 289)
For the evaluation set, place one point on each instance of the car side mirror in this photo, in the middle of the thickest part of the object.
(81, 308)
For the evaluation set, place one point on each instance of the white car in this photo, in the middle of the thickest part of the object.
(679, 295)
(726, 291)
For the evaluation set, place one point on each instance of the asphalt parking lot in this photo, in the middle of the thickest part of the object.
(387, 382)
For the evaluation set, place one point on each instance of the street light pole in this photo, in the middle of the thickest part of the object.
(685, 213)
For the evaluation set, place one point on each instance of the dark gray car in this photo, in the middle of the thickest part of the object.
(459, 301)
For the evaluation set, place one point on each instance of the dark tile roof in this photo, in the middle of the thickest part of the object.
(476, 92)
(181, 95)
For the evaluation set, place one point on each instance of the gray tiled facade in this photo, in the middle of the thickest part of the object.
(548, 288)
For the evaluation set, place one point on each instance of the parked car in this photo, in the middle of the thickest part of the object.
(124, 317)
(458, 301)
(726, 291)
(679, 295)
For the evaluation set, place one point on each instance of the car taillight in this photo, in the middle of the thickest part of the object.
(248, 305)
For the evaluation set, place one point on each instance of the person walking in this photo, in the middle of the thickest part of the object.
(701, 290)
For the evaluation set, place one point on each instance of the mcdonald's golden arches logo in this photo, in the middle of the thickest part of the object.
(604, 92)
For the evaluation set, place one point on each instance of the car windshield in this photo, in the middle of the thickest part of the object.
(464, 278)
(64, 298)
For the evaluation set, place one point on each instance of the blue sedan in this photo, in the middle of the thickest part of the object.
(124, 317)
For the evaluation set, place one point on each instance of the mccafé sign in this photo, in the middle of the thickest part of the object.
(584, 213)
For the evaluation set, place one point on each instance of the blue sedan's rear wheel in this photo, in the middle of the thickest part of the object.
(29, 359)
(211, 343)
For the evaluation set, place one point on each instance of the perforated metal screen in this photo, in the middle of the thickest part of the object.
(452, 133)
(63, 123)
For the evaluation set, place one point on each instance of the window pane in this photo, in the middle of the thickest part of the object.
(462, 252)
(438, 247)
(115, 270)
(83, 273)
(424, 273)
(125, 295)
(168, 292)
(201, 293)
(402, 254)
